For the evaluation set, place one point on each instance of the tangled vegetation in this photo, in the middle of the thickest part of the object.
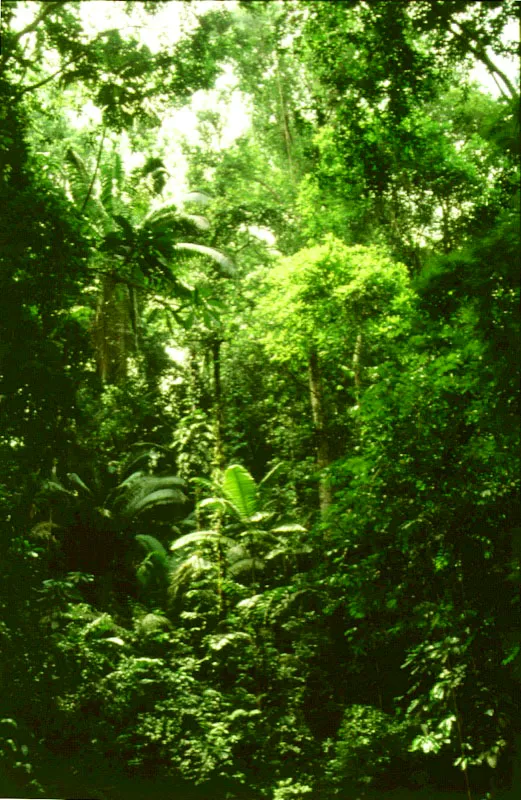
(259, 474)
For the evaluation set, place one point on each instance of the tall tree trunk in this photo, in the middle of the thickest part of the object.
(319, 422)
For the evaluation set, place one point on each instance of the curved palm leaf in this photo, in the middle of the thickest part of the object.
(139, 492)
(241, 490)
(197, 197)
(187, 571)
(200, 537)
(246, 566)
(152, 545)
(223, 261)
(160, 497)
(152, 623)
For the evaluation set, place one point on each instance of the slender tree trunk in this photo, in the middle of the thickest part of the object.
(218, 404)
(319, 423)
(357, 365)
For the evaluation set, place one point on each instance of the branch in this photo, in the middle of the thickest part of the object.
(49, 78)
(94, 174)
(275, 194)
(47, 8)
(479, 51)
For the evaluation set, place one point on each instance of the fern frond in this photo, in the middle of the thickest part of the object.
(44, 532)
(185, 572)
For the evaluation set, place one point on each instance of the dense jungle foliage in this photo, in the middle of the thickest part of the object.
(259, 479)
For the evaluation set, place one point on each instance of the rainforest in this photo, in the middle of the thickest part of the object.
(260, 530)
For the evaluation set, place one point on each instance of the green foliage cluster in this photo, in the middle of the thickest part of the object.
(259, 474)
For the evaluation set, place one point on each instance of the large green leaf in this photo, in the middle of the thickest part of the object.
(241, 490)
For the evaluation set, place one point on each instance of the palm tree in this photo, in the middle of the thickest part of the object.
(139, 255)
(241, 540)
(90, 530)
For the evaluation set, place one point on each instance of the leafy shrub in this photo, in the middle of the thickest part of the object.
(367, 741)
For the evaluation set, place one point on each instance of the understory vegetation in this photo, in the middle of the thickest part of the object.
(259, 453)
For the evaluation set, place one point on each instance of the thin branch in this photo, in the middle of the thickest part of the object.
(49, 78)
(95, 173)
(270, 190)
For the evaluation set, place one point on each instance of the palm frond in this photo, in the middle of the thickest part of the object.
(80, 184)
(199, 221)
(246, 566)
(241, 490)
(185, 572)
(201, 198)
(77, 481)
(152, 545)
(143, 502)
(152, 623)
(219, 258)
(202, 537)
(292, 527)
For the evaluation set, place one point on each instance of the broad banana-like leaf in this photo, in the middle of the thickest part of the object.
(198, 537)
(134, 477)
(241, 490)
(223, 261)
